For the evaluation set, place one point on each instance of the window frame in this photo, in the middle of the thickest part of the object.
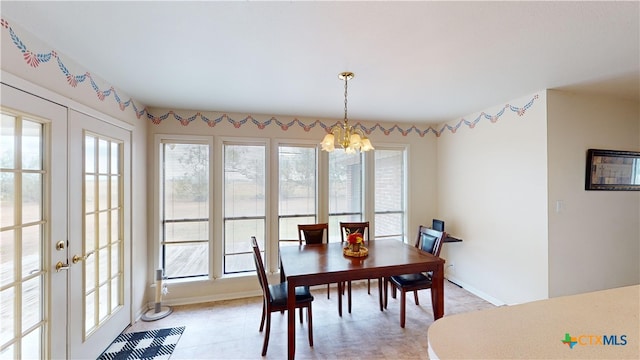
(404, 148)
(219, 225)
(158, 199)
(276, 182)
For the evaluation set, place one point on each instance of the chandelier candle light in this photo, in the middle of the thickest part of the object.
(349, 138)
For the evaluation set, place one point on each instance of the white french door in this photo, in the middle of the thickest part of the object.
(64, 230)
(33, 227)
(99, 228)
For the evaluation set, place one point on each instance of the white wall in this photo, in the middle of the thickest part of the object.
(492, 193)
(594, 239)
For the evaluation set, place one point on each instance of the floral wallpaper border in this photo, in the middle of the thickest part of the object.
(34, 59)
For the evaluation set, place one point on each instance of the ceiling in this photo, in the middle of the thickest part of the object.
(420, 62)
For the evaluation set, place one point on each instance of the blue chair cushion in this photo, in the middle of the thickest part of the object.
(279, 294)
(410, 280)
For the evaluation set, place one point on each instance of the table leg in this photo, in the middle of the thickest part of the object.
(339, 298)
(437, 292)
(291, 323)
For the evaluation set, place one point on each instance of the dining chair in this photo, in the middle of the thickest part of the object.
(275, 298)
(314, 234)
(347, 228)
(429, 241)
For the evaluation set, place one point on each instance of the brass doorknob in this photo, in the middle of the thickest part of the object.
(61, 266)
(76, 258)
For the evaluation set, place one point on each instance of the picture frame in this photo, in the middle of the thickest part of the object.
(612, 170)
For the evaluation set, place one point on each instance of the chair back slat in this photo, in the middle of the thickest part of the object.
(430, 240)
(313, 233)
(347, 228)
(262, 275)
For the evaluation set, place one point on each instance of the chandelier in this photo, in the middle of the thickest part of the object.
(348, 137)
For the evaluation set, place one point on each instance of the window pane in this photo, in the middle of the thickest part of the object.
(7, 199)
(244, 180)
(31, 246)
(187, 231)
(103, 156)
(297, 180)
(90, 271)
(115, 259)
(7, 144)
(31, 302)
(334, 225)
(186, 181)
(103, 229)
(182, 260)
(389, 224)
(90, 154)
(115, 201)
(115, 293)
(31, 197)
(103, 305)
(7, 314)
(389, 190)
(289, 226)
(103, 265)
(185, 186)
(345, 190)
(103, 186)
(244, 197)
(31, 145)
(237, 244)
(90, 303)
(31, 345)
(389, 180)
(115, 158)
(7, 249)
(89, 193)
(238, 234)
(297, 188)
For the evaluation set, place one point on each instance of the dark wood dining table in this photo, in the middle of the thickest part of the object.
(325, 263)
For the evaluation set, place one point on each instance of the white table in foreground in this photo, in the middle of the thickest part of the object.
(603, 325)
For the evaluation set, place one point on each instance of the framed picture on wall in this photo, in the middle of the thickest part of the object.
(612, 170)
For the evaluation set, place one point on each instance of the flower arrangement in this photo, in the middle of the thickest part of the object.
(355, 241)
(355, 238)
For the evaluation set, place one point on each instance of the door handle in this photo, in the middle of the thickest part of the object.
(77, 258)
(61, 266)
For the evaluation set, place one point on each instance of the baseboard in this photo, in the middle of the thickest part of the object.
(476, 292)
(208, 298)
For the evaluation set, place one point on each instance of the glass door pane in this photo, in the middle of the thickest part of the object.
(22, 240)
(103, 243)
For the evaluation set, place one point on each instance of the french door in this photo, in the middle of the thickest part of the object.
(99, 228)
(50, 305)
(33, 229)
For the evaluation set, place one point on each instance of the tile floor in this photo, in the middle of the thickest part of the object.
(229, 329)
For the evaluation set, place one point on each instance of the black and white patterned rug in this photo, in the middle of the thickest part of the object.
(146, 345)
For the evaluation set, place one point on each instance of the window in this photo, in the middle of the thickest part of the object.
(345, 190)
(185, 215)
(389, 193)
(244, 203)
(296, 189)
(205, 239)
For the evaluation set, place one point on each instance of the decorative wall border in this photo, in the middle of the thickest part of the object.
(34, 59)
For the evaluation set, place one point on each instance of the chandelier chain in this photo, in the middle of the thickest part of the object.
(345, 98)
